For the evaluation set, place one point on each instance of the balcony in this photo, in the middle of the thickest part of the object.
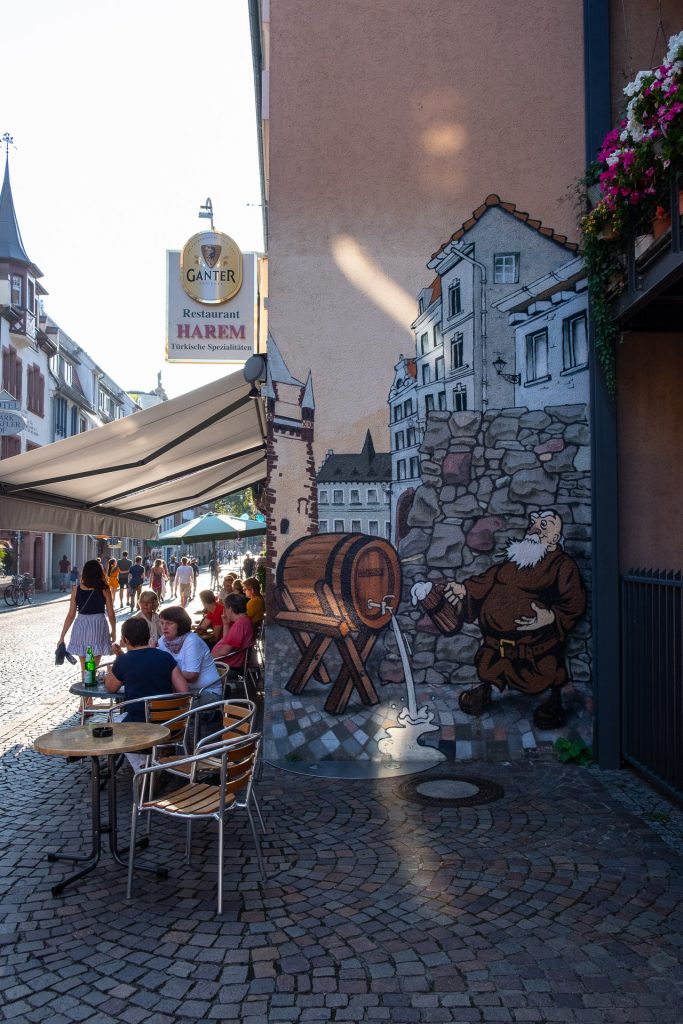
(23, 324)
(652, 295)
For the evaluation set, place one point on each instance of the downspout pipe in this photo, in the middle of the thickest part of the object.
(603, 419)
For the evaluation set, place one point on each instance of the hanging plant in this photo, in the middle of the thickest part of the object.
(625, 186)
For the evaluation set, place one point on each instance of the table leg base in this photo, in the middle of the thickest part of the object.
(75, 858)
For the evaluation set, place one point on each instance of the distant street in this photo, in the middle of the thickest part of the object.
(34, 692)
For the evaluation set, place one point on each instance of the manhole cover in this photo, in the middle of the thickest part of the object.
(450, 790)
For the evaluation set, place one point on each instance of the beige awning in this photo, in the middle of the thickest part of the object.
(121, 478)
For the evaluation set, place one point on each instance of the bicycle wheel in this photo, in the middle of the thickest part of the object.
(30, 593)
(18, 596)
(9, 596)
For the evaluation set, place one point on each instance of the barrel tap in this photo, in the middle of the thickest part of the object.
(385, 604)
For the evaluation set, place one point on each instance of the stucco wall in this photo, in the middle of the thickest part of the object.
(389, 123)
(650, 385)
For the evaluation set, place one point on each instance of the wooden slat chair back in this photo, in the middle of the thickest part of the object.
(203, 800)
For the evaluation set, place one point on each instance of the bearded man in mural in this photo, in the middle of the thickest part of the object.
(525, 607)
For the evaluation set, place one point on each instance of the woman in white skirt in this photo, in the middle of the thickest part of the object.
(91, 606)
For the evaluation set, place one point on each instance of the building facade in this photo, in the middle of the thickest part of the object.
(60, 390)
(354, 492)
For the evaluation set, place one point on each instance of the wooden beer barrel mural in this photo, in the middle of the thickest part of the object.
(337, 588)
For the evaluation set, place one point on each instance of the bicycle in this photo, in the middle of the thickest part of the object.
(22, 588)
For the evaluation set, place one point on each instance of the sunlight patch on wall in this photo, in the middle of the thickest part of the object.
(368, 277)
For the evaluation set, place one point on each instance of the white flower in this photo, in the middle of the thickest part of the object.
(613, 158)
(675, 44)
(635, 86)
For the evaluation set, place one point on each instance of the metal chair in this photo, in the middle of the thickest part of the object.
(238, 719)
(203, 800)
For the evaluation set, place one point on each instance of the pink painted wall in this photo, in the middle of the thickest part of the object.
(390, 121)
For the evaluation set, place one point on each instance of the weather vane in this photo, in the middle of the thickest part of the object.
(9, 141)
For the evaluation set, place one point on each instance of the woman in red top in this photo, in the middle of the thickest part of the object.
(210, 628)
(238, 636)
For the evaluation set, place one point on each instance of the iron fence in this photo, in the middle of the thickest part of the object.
(652, 675)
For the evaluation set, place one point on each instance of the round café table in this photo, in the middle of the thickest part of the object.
(78, 741)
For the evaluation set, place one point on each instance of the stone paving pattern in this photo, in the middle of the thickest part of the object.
(559, 902)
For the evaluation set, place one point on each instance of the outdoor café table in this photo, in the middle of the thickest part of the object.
(99, 692)
(78, 741)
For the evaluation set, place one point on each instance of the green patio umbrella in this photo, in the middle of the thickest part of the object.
(212, 526)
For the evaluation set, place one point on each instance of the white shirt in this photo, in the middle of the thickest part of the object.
(184, 574)
(195, 656)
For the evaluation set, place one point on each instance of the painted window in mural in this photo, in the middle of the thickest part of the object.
(454, 301)
(459, 398)
(536, 356)
(457, 351)
(574, 342)
(506, 268)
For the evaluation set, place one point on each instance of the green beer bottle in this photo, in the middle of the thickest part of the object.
(90, 677)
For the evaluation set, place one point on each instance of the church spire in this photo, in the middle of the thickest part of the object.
(11, 245)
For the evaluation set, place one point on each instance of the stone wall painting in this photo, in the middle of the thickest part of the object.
(436, 605)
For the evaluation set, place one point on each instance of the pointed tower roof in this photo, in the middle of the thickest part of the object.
(308, 402)
(11, 245)
(277, 371)
(368, 451)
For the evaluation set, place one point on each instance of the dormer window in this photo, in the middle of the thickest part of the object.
(105, 403)
(64, 369)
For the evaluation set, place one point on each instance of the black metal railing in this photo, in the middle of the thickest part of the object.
(652, 675)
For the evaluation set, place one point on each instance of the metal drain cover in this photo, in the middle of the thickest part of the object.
(450, 790)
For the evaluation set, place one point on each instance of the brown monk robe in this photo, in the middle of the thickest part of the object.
(533, 660)
(525, 607)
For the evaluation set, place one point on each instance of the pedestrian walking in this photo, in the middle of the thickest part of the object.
(64, 569)
(157, 575)
(125, 565)
(184, 581)
(90, 609)
(195, 569)
(172, 569)
(136, 578)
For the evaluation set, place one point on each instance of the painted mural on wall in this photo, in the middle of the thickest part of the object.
(429, 602)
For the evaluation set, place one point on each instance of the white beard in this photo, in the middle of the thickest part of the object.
(526, 553)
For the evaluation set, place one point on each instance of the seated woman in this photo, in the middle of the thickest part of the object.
(210, 628)
(145, 672)
(256, 606)
(237, 586)
(149, 603)
(227, 586)
(191, 654)
(238, 637)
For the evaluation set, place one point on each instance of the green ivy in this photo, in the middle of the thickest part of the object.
(602, 263)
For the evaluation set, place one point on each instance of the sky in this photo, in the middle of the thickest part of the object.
(125, 117)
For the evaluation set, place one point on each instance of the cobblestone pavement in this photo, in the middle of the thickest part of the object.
(556, 902)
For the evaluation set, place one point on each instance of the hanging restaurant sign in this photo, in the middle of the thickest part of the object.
(210, 332)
